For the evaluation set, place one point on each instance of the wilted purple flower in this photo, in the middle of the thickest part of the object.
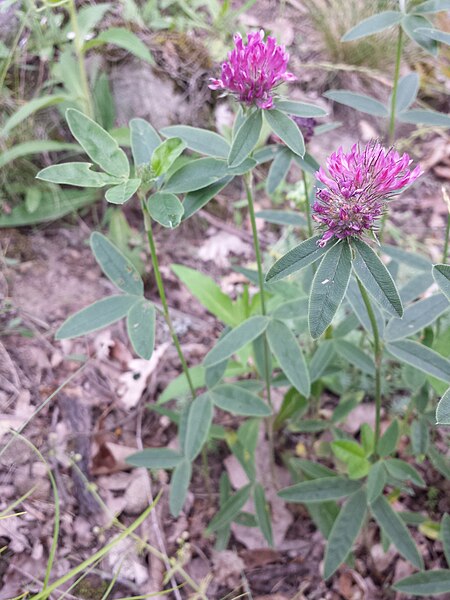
(307, 125)
(357, 188)
(254, 70)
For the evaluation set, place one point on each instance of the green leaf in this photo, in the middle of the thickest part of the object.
(424, 117)
(443, 410)
(445, 536)
(373, 24)
(141, 328)
(196, 175)
(403, 471)
(96, 316)
(353, 455)
(435, 34)
(28, 109)
(431, 6)
(144, 141)
(421, 357)
(415, 287)
(345, 531)
(166, 209)
(165, 155)
(410, 24)
(155, 458)
(286, 129)
(123, 38)
(278, 169)
(289, 356)
(208, 293)
(376, 481)
(262, 513)
(76, 173)
(98, 144)
(321, 359)
(282, 217)
(360, 310)
(197, 199)
(199, 140)
(246, 139)
(396, 530)
(235, 340)
(328, 287)
(115, 265)
(88, 18)
(420, 437)
(198, 424)
(239, 401)
(360, 102)
(294, 309)
(34, 147)
(179, 486)
(441, 274)
(230, 509)
(300, 109)
(296, 259)
(179, 387)
(307, 163)
(387, 444)
(318, 490)
(119, 194)
(416, 317)
(428, 583)
(355, 356)
(408, 87)
(412, 260)
(376, 278)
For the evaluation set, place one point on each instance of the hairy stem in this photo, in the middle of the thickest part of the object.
(78, 43)
(378, 356)
(307, 205)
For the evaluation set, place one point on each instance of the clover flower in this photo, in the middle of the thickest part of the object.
(357, 188)
(254, 70)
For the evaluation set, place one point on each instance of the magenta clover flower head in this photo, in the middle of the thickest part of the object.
(254, 70)
(357, 188)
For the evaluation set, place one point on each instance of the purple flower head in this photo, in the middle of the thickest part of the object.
(357, 188)
(254, 70)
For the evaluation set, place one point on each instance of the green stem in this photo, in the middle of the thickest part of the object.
(78, 43)
(446, 239)
(248, 182)
(395, 86)
(162, 295)
(307, 205)
(378, 355)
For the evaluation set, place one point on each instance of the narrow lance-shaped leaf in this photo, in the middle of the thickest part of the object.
(328, 288)
(166, 209)
(345, 531)
(115, 265)
(416, 317)
(296, 259)
(28, 109)
(179, 485)
(289, 355)
(278, 169)
(431, 6)
(246, 139)
(119, 194)
(123, 38)
(98, 144)
(318, 490)
(96, 316)
(443, 409)
(155, 458)
(435, 34)
(373, 24)
(376, 481)
(197, 199)
(441, 274)
(424, 117)
(230, 509)
(239, 401)
(200, 140)
(144, 141)
(141, 328)
(360, 102)
(445, 536)
(76, 173)
(396, 530)
(262, 513)
(429, 583)
(300, 109)
(236, 339)
(286, 129)
(410, 25)
(165, 155)
(376, 278)
(422, 358)
(198, 424)
(196, 175)
(407, 89)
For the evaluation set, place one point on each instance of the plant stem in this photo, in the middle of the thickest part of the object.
(378, 355)
(162, 295)
(307, 205)
(248, 182)
(78, 43)
(446, 239)
(395, 86)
